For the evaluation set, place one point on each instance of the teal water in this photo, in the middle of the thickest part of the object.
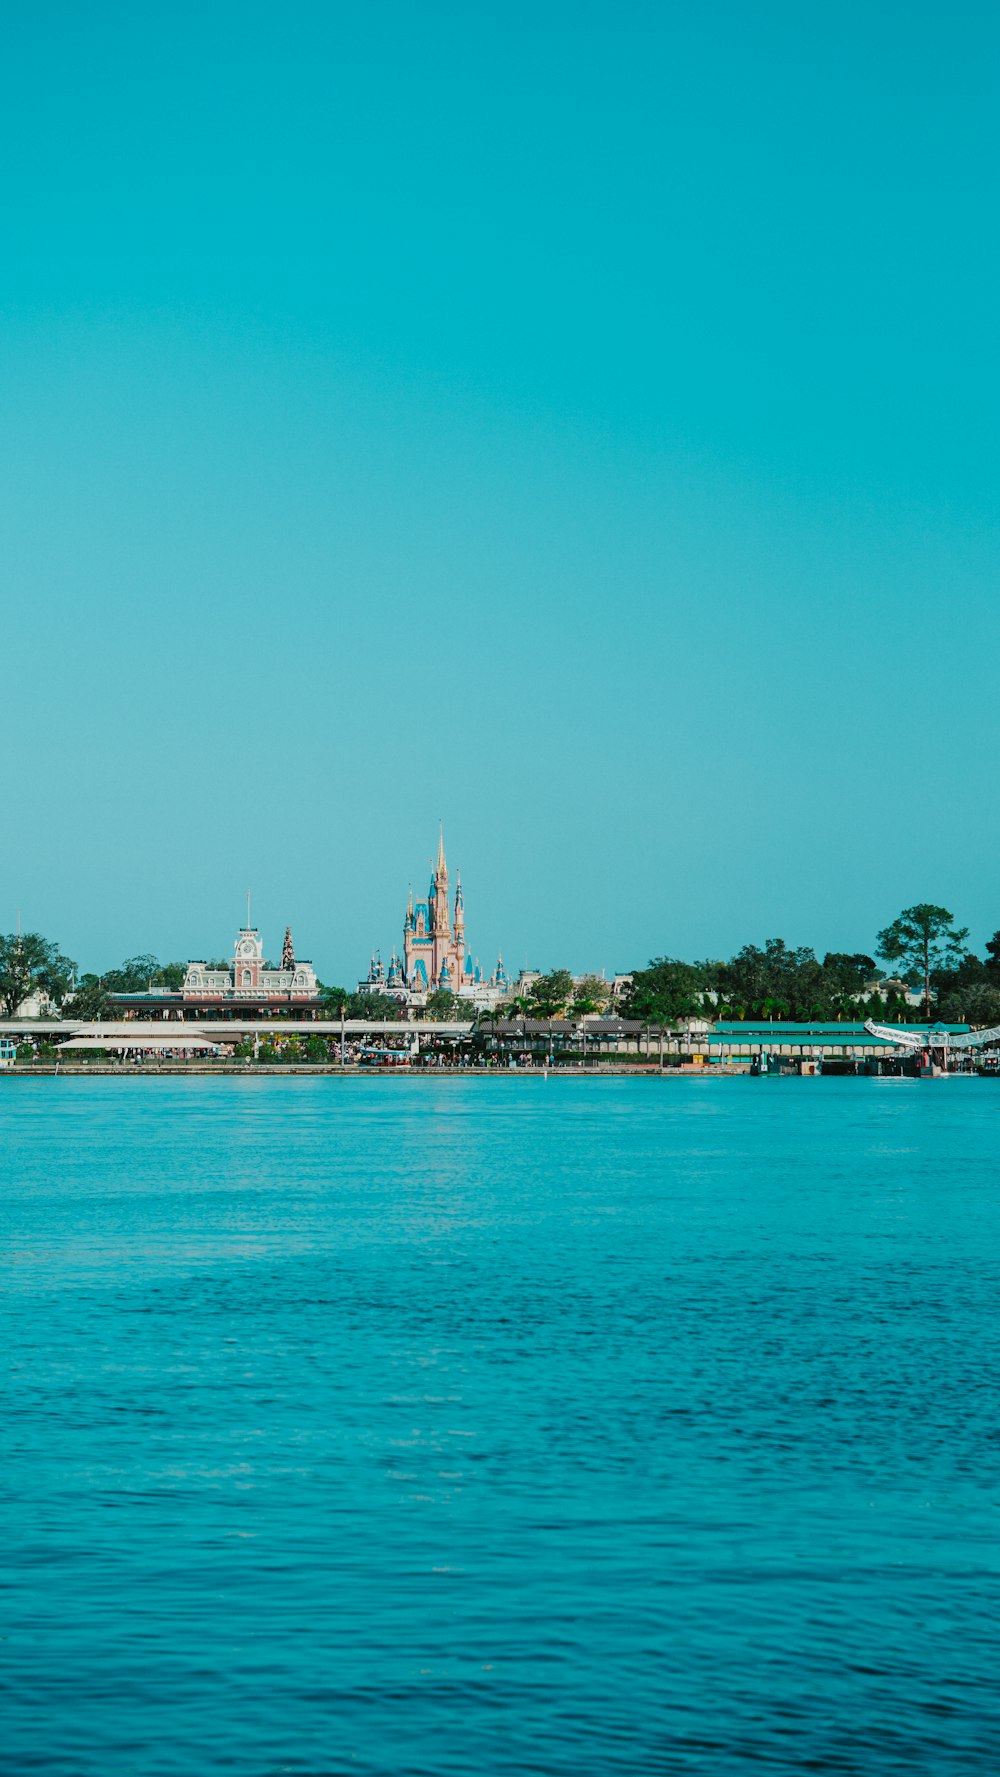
(475, 1426)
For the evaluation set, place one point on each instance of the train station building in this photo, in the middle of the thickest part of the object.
(246, 987)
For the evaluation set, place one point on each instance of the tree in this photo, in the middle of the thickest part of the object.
(137, 974)
(446, 1007)
(848, 971)
(844, 985)
(970, 971)
(170, 975)
(550, 993)
(517, 1007)
(373, 1008)
(923, 938)
(134, 976)
(334, 999)
(29, 962)
(591, 995)
(774, 981)
(90, 999)
(977, 1005)
(663, 992)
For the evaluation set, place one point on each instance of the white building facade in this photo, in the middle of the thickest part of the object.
(248, 976)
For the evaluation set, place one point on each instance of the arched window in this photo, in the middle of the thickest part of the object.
(247, 978)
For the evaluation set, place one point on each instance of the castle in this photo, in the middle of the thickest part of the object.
(435, 955)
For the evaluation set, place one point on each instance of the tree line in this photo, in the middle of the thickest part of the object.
(923, 947)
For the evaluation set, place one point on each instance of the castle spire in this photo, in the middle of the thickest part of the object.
(438, 898)
(459, 909)
(288, 950)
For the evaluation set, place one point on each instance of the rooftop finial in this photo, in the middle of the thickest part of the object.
(442, 861)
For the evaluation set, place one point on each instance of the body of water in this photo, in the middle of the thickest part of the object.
(500, 1426)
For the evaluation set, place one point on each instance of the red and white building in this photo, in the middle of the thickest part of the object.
(246, 987)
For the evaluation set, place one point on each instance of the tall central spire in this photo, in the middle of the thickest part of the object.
(440, 922)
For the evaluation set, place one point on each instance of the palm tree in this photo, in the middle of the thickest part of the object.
(518, 1007)
(775, 1009)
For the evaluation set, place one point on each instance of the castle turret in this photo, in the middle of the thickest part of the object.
(459, 912)
(288, 950)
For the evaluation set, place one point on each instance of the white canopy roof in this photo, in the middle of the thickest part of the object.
(179, 1039)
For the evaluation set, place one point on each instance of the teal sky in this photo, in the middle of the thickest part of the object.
(575, 422)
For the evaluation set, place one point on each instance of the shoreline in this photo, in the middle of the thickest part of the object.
(319, 1070)
(247, 1070)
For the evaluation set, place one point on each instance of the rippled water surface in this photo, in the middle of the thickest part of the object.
(474, 1426)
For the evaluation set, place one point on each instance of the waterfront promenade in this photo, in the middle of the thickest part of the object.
(591, 1046)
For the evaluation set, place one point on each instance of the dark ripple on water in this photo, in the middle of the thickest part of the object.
(500, 1427)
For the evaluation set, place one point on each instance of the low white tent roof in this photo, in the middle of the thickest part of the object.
(181, 1039)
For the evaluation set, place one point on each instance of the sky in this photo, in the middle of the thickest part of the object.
(575, 424)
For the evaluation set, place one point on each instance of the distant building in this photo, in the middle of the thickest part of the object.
(248, 976)
(38, 1004)
(885, 987)
(246, 986)
(435, 953)
(523, 987)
